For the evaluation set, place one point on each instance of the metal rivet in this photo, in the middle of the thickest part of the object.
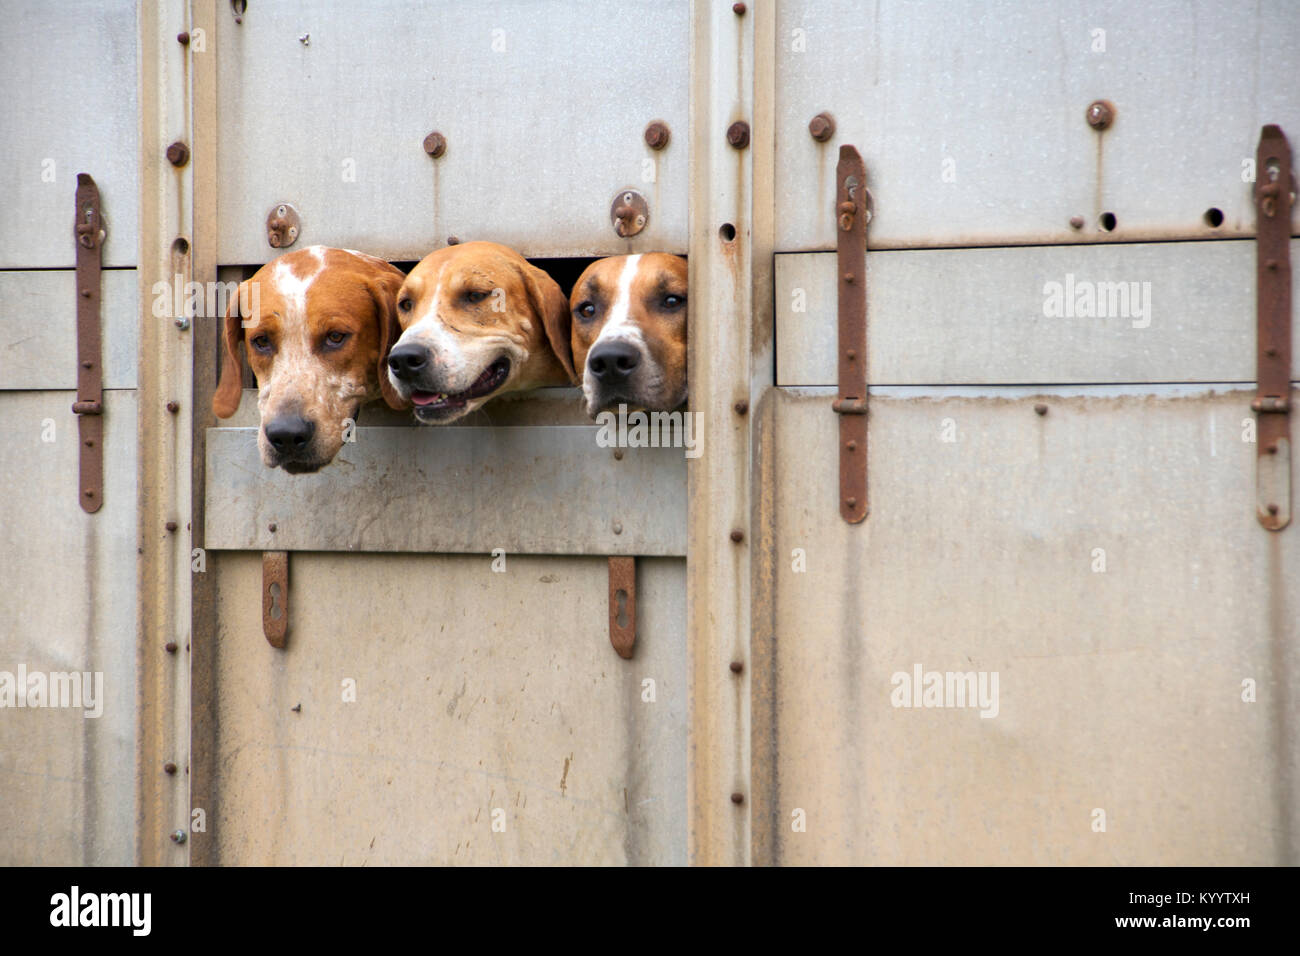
(1076, 222)
(170, 526)
(85, 293)
(1271, 449)
(173, 407)
(851, 502)
(737, 798)
(822, 127)
(852, 354)
(182, 323)
(737, 667)
(738, 134)
(170, 647)
(737, 536)
(1100, 114)
(169, 767)
(618, 454)
(618, 527)
(178, 836)
(738, 9)
(1272, 509)
(453, 240)
(435, 144)
(849, 277)
(741, 407)
(87, 364)
(178, 154)
(271, 527)
(183, 39)
(90, 443)
(852, 445)
(657, 134)
(1271, 264)
(1040, 408)
(90, 493)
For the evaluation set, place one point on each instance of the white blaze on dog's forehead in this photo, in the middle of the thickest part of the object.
(429, 330)
(294, 288)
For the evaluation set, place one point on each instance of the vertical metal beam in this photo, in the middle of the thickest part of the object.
(721, 362)
(166, 211)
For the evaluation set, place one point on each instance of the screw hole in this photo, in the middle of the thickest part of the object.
(727, 232)
(1214, 217)
(1108, 221)
(181, 247)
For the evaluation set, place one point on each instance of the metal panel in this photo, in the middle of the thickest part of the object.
(68, 70)
(538, 490)
(1119, 690)
(67, 783)
(543, 106)
(475, 692)
(38, 329)
(976, 316)
(970, 115)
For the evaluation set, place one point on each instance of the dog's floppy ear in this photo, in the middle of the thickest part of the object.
(383, 289)
(553, 308)
(225, 400)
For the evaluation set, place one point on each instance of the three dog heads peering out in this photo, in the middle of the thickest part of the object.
(329, 330)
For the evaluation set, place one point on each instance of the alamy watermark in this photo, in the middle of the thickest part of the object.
(940, 689)
(651, 430)
(62, 689)
(1085, 299)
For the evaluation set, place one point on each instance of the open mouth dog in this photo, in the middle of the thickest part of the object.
(430, 406)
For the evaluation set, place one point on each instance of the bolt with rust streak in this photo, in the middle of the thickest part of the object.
(178, 154)
(738, 134)
(741, 407)
(737, 667)
(1100, 114)
(178, 836)
(170, 526)
(173, 407)
(169, 767)
(737, 798)
(435, 144)
(271, 527)
(657, 134)
(738, 9)
(822, 127)
(737, 536)
(1076, 222)
(1040, 408)
(170, 647)
(183, 39)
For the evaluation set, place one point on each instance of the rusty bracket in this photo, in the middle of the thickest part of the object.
(282, 226)
(853, 210)
(628, 213)
(89, 406)
(622, 605)
(275, 597)
(1274, 197)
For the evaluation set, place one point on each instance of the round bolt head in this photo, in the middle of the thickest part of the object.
(738, 134)
(435, 144)
(178, 154)
(737, 536)
(737, 667)
(271, 527)
(1100, 114)
(737, 798)
(170, 525)
(183, 39)
(453, 240)
(182, 323)
(822, 127)
(741, 407)
(178, 836)
(657, 134)
(1076, 222)
(170, 647)
(738, 9)
(173, 407)
(618, 527)
(169, 767)
(1040, 408)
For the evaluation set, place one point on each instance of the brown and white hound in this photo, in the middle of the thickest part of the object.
(629, 332)
(322, 323)
(478, 320)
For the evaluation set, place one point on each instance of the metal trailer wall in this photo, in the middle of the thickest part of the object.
(1065, 503)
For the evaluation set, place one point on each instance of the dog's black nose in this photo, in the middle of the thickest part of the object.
(613, 361)
(289, 434)
(408, 361)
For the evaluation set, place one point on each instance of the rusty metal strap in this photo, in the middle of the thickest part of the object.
(275, 597)
(852, 213)
(1274, 197)
(89, 406)
(622, 605)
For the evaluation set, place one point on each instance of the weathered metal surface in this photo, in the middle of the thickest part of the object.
(1098, 559)
(976, 316)
(56, 122)
(89, 234)
(38, 323)
(66, 783)
(275, 597)
(425, 697)
(1274, 197)
(852, 213)
(1001, 103)
(571, 139)
(537, 490)
(622, 605)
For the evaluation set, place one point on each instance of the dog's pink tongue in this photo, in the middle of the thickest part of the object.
(425, 398)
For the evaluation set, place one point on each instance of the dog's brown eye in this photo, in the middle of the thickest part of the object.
(404, 304)
(476, 296)
(586, 310)
(336, 338)
(674, 301)
(262, 343)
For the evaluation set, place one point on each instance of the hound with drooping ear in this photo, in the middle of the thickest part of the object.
(321, 324)
(478, 320)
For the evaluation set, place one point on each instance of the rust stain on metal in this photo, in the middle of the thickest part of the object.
(853, 210)
(89, 409)
(1274, 197)
(622, 606)
(275, 597)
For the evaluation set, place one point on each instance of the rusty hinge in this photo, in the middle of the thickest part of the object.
(1274, 197)
(89, 406)
(853, 208)
(275, 597)
(622, 605)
